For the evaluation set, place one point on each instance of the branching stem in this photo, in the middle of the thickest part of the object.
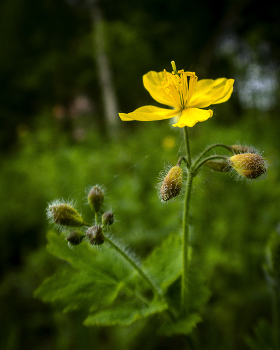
(197, 166)
(209, 148)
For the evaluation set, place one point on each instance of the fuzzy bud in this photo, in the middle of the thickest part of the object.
(108, 218)
(95, 198)
(218, 165)
(172, 183)
(95, 235)
(238, 149)
(248, 165)
(75, 237)
(64, 214)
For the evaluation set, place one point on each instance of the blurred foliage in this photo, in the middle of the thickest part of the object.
(53, 146)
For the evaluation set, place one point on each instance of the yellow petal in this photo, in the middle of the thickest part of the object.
(148, 113)
(153, 83)
(191, 116)
(208, 92)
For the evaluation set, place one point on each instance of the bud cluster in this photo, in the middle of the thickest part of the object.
(64, 215)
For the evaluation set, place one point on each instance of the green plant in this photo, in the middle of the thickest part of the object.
(112, 285)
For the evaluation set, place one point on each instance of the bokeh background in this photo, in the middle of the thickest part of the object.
(67, 67)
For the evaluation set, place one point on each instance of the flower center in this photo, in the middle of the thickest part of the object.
(179, 86)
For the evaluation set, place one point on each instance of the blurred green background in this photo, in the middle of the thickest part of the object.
(59, 61)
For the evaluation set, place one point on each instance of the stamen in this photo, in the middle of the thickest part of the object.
(179, 86)
(174, 67)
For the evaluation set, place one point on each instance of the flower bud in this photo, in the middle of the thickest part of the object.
(75, 237)
(237, 149)
(95, 198)
(64, 214)
(108, 218)
(248, 165)
(95, 235)
(218, 165)
(172, 183)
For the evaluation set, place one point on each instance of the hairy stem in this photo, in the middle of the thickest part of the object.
(96, 219)
(187, 145)
(134, 265)
(185, 273)
(208, 149)
(197, 166)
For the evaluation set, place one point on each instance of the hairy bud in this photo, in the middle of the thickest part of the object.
(108, 218)
(218, 165)
(172, 183)
(75, 237)
(64, 214)
(237, 149)
(248, 165)
(95, 235)
(95, 198)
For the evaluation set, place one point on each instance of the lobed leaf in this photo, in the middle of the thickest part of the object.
(102, 264)
(182, 326)
(124, 314)
(164, 265)
(72, 290)
(93, 278)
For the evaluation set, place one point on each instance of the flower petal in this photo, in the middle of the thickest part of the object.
(153, 83)
(191, 116)
(149, 113)
(208, 92)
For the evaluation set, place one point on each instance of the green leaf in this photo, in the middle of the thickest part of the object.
(182, 326)
(71, 290)
(102, 264)
(199, 292)
(93, 279)
(124, 314)
(164, 265)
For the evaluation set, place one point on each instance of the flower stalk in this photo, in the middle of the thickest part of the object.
(186, 229)
(209, 149)
(192, 170)
(199, 165)
(134, 265)
(187, 146)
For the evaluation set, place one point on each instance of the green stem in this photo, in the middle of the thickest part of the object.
(197, 166)
(185, 273)
(96, 218)
(208, 149)
(188, 149)
(182, 159)
(134, 265)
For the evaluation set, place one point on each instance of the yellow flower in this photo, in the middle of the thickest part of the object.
(182, 91)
